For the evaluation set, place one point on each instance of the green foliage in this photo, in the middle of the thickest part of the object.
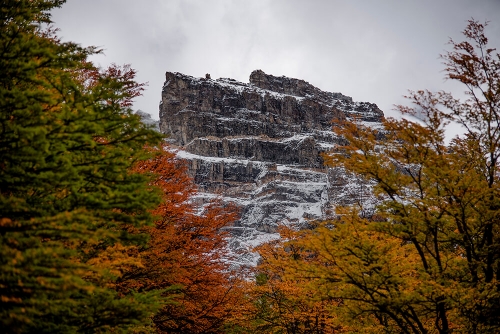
(67, 195)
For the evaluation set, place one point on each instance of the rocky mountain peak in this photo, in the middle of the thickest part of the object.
(259, 144)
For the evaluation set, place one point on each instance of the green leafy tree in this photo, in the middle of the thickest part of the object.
(68, 140)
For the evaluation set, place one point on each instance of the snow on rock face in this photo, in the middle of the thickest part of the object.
(259, 145)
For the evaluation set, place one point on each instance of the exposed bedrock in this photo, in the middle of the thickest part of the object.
(194, 107)
(259, 144)
(292, 151)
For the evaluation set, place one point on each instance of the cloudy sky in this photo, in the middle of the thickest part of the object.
(371, 50)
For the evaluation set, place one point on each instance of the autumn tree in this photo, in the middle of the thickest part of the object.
(187, 254)
(67, 193)
(280, 302)
(428, 261)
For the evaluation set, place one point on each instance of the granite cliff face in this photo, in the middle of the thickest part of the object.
(259, 144)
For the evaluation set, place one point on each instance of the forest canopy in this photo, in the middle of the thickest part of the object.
(98, 233)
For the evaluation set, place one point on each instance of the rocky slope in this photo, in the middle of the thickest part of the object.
(259, 144)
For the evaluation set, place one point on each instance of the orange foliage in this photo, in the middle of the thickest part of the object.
(89, 76)
(186, 249)
(281, 302)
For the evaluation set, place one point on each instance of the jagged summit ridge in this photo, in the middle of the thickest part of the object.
(259, 144)
(291, 86)
(274, 106)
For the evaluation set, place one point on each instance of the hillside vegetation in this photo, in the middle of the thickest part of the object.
(99, 232)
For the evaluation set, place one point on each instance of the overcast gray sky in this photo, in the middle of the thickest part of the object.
(371, 50)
